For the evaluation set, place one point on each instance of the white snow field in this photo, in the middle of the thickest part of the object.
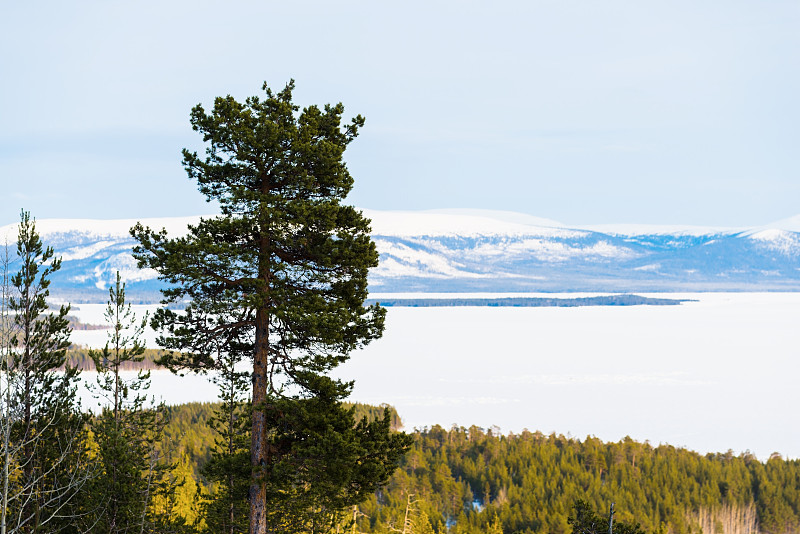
(717, 374)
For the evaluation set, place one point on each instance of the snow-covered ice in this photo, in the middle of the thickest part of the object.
(711, 375)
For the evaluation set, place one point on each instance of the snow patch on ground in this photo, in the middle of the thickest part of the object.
(399, 260)
(782, 241)
(83, 252)
(106, 272)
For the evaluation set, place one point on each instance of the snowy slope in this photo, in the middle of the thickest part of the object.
(478, 250)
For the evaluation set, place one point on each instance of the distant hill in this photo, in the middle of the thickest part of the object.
(527, 302)
(480, 251)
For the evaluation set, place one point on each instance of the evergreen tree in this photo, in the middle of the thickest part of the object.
(127, 428)
(496, 526)
(47, 430)
(226, 510)
(322, 463)
(282, 272)
(585, 521)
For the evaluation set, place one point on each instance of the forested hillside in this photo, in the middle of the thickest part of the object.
(530, 481)
(471, 481)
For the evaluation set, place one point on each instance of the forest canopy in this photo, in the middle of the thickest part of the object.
(462, 479)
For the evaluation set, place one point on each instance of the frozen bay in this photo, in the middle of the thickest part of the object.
(716, 374)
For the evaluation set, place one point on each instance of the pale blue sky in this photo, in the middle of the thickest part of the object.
(584, 112)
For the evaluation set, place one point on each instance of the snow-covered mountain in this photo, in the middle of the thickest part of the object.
(476, 250)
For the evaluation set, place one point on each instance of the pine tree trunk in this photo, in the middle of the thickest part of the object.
(258, 451)
(231, 449)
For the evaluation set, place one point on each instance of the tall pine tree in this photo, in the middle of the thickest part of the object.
(283, 271)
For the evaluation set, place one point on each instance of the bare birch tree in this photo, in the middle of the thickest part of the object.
(6, 383)
(44, 434)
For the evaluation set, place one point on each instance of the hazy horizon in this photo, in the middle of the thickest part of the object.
(478, 212)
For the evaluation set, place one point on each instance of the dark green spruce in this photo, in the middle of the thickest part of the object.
(279, 280)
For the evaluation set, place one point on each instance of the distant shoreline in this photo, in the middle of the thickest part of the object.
(529, 302)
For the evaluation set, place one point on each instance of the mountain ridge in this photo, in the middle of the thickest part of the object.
(480, 250)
